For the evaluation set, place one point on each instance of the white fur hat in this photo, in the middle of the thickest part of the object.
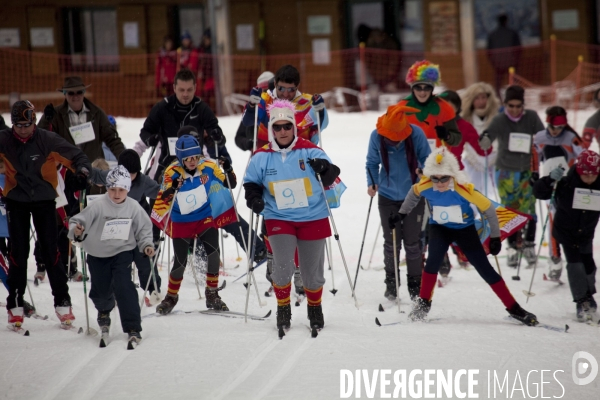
(118, 177)
(442, 162)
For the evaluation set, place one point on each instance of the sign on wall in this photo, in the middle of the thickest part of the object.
(131, 37)
(565, 20)
(320, 51)
(42, 37)
(319, 24)
(244, 36)
(9, 37)
(443, 22)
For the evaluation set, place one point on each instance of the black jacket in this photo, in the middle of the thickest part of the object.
(31, 167)
(2, 124)
(572, 227)
(163, 121)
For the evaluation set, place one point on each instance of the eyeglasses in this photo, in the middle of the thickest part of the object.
(514, 105)
(27, 125)
(423, 88)
(287, 89)
(78, 93)
(441, 179)
(556, 127)
(288, 127)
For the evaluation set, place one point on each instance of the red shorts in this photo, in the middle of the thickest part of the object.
(308, 230)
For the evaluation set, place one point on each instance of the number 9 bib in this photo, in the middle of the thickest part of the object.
(191, 200)
(290, 194)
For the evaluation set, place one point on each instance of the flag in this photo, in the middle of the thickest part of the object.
(334, 193)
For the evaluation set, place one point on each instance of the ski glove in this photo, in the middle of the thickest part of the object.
(49, 112)
(535, 176)
(318, 103)
(226, 164)
(152, 140)
(394, 219)
(484, 142)
(319, 165)
(257, 205)
(495, 246)
(557, 173)
(216, 136)
(255, 96)
(442, 132)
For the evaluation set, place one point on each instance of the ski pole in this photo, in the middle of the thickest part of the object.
(396, 267)
(485, 175)
(250, 259)
(69, 262)
(148, 161)
(241, 187)
(337, 238)
(373, 249)
(222, 255)
(89, 330)
(30, 296)
(194, 269)
(328, 250)
(362, 245)
(528, 293)
(148, 285)
(498, 265)
(520, 255)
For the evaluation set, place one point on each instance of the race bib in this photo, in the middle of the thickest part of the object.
(116, 229)
(584, 199)
(290, 194)
(519, 143)
(82, 133)
(432, 144)
(92, 197)
(444, 215)
(553, 163)
(191, 200)
(172, 142)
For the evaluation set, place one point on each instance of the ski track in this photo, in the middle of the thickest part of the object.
(56, 391)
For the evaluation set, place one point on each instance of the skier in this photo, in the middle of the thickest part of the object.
(396, 150)
(558, 145)
(185, 210)
(452, 220)
(516, 169)
(110, 248)
(575, 224)
(279, 182)
(244, 137)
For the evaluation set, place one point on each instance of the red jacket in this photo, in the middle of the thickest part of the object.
(166, 67)
(469, 135)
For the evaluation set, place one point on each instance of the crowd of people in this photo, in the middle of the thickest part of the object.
(434, 160)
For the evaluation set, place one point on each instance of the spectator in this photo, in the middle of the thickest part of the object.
(503, 38)
(166, 67)
(592, 125)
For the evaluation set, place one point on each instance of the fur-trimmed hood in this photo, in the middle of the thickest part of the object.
(468, 97)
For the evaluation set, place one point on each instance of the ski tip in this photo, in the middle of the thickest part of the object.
(334, 291)
(313, 332)
(268, 314)
(377, 321)
(130, 346)
(281, 333)
(80, 331)
(36, 282)
(102, 343)
(516, 278)
(566, 328)
(297, 304)
(381, 309)
(439, 282)
(26, 333)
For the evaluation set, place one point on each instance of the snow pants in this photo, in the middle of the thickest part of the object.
(581, 270)
(516, 192)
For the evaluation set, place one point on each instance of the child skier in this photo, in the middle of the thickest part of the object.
(452, 220)
(575, 222)
(109, 230)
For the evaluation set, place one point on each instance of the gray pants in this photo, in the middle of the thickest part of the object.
(409, 233)
(311, 257)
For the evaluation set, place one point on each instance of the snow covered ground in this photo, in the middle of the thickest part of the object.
(195, 356)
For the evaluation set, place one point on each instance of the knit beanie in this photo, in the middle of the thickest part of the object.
(441, 162)
(23, 111)
(130, 160)
(423, 72)
(264, 78)
(187, 146)
(118, 177)
(281, 110)
(588, 163)
(514, 92)
(393, 124)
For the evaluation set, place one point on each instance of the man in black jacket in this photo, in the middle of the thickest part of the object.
(30, 155)
(173, 112)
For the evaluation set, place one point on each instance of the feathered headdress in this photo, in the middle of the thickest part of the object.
(423, 72)
(442, 162)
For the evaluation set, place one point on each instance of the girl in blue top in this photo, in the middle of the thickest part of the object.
(281, 183)
(450, 197)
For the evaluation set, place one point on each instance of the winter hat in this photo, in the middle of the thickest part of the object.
(442, 162)
(192, 131)
(130, 160)
(393, 124)
(186, 35)
(423, 72)
(23, 111)
(118, 177)
(281, 110)
(264, 78)
(187, 146)
(588, 163)
(514, 92)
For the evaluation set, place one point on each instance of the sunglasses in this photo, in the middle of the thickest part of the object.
(556, 127)
(423, 88)
(288, 127)
(78, 93)
(27, 125)
(286, 89)
(514, 105)
(441, 179)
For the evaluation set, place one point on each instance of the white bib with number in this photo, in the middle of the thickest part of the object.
(82, 133)
(191, 200)
(584, 199)
(172, 142)
(92, 197)
(116, 229)
(553, 163)
(432, 144)
(519, 143)
(290, 194)
(444, 215)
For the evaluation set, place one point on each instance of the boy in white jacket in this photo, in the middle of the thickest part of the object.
(109, 229)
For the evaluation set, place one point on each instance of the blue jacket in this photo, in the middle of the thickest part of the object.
(396, 185)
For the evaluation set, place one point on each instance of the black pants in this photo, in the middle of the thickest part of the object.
(63, 243)
(142, 263)
(209, 239)
(111, 278)
(581, 270)
(467, 239)
(44, 220)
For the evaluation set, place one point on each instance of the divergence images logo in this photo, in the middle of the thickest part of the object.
(582, 364)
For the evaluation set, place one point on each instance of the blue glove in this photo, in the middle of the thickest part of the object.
(255, 95)
(318, 103)
(557, 173)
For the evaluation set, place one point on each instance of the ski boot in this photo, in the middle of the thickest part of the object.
(15, 317)
(168, 303)
(40, 275)
(446, 266)
(213, 300)
(391, 291)
(521, 315)
(133, 339)
(152, 299)
(593, 304)
(315, 315)
(284, 317)
(64, 312)
(529, 253)
(103, 320)
(583, 309)
(414, 286)
(269, 267)
(28, 309)
(260, 255)
(298, 284)
(556, 266)
(512, 257)
(420, 310)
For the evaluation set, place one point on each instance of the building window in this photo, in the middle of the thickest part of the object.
(91, 39)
